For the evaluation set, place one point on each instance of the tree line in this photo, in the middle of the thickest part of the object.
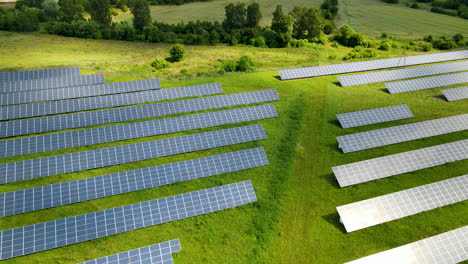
(447, 7)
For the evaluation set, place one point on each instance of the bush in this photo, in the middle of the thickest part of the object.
(228, 66)
(360, 53)
(414, 5)
(444, 44)
(346, 36)
(458, 38)
(385, 45)
(424, 46)
(124, 8)
(160, 64)
(245, 64)
(177, 52)
(428, 38)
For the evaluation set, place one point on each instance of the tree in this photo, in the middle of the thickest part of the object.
(278, 13)
(283, 28)
(458, 38)
(51, 9)
(100, 11)
(253, 15)
(308, 22)
(236, 16)
(28, 3)
(71, 10)
(177, 52)
(141, 14)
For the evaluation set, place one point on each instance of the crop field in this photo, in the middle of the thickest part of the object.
(295, 218)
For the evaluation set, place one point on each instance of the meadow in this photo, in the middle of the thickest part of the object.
(294, 220)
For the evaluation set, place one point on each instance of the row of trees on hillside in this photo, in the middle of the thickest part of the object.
(446, 7)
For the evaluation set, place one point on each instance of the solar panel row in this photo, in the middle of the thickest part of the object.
(374, 116)
(382, 167)
(456, 93)
(61, 122)
(86, 160)
(77, 92)
(38, 74)
(51, 83)
(67, 231)
(105, 101)
(427, 83)
(48, 196)
(79, 138)
(160, 253)
(393, 75)
(363, 214)
(403, 133)
(446, 248)
(371, 65)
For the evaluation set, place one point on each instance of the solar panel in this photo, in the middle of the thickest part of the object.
(77, 92)
(48, 196)
(92, 159)
(397, 205)
(393, 75)
(371, 65)
(446, 248)
(38, 74)
(427, 83)
(71, 230)
(403, 133)
(374, 116)
(382, 167)
(51, 83)
(160, 253)
(105, 101)
(61, 122)
(29, 145)
(456, 93)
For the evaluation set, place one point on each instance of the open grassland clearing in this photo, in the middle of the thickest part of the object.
(298, 189)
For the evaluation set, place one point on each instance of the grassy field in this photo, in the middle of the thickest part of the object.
(294, 220)
(374, 17)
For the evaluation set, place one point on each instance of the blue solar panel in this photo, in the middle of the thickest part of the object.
(51, 83)
(67, 231)
(38, 74)
(106, 101)
(160, 253)
(43, 197)
(60, 122)
(77, 92)
(86, 160)
(29, 145)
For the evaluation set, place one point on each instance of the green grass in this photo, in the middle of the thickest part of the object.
(295, 219)
(374, 17)
(214, 10)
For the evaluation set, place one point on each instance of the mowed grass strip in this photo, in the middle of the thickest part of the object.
(306, 225)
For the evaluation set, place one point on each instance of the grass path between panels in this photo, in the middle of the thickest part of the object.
(295, 219)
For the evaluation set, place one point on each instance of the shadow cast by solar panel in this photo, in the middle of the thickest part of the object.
(334, 220)
(337, 84)
(440, 97)
(331, 179)
(334, 147)
(335, 122)
(385, 90)
(277, 77)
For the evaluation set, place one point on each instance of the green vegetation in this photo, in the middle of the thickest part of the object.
(177, 52)
(141, 14)
(295, 216)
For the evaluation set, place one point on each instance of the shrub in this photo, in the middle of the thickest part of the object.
(124, 8)
(177, 52)
(245, 64)
(444, 44)
(385, 45)
(346, 36)
(360, 53)
(160, 63)
(414, 5)
(228, 66)
(258, 42)
(428, 38)
(458, 38)
(424, 46)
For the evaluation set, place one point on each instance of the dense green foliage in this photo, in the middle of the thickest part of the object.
(160, 64)
(141, 14)
(177, 52)
(100, 11)
(447, 7)
(25, 19)
(244, 64)
(71, 10)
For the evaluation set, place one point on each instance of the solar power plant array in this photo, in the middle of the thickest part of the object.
(61, 122)
(71, 230)
(397, 205)
(29, 145)
(77, 92)
(456, 94)
(403, 133)
(98, 158)
(106, 101)
(400, 74)
(160, 253)
(382, 167)
(374, 116)
(48, 196)
(371, 65)
(427, 83)
(446, 248)
(51, 83)
(38, 74)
